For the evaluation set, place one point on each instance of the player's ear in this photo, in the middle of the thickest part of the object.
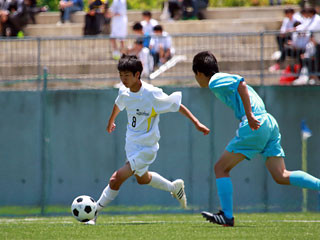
(137, 75)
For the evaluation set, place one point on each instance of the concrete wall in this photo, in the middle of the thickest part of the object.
(80, 155)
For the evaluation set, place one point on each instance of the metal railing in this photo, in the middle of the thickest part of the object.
(87, 62)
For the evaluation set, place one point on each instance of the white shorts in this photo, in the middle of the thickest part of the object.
(119, 27)
(141, 157)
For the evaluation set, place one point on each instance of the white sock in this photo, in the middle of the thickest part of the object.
(106, 197)
(160, 182)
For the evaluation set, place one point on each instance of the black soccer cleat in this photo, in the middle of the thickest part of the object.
(218, 218)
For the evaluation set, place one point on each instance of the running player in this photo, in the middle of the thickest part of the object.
(258, 133)
(143, 103)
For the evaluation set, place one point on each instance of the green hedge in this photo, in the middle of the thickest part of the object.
(156, 4)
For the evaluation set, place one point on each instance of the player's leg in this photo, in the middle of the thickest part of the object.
(155, 180)
(281, 175)
(111, 191)
(222, 168)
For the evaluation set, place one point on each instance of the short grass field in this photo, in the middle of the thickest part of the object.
(164, 226)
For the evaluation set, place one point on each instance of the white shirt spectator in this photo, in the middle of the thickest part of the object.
(164, 41)
(119, 20)
(147, 61)
(287, 24)
(300, 39)
(313, 24)
(310, 50)
(148, 26)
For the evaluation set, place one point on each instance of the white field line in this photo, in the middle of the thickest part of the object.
(47, 221)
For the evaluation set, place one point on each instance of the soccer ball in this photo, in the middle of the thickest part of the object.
(84, 208)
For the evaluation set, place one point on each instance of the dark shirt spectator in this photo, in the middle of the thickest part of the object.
(94, 18)
(33, 9)
(14, 18)
(67, 8)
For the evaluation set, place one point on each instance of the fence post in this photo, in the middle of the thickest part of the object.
(262, 58)
(44, 142)
(39, 62)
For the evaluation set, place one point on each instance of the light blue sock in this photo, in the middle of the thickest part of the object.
(225, 192)
(304, 180)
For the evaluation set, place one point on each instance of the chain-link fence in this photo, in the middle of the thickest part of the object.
(77, 62)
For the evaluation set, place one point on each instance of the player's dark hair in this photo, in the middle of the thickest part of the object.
(130, 63)
(157, 28)
(206, 63)
(137, 26)
(311, 10)
(146, 13)
(289, 10)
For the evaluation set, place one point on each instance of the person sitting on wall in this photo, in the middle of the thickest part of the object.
(68, 7)
(161, 46)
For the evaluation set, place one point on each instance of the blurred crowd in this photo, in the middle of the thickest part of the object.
(16, 14)
(299, 39)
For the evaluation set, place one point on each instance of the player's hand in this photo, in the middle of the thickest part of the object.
(253, 122)
(111, 127)
(202, 128)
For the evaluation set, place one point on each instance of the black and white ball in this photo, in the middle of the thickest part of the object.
(84, 208)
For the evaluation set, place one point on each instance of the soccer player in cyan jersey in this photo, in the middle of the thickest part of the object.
(258, 133)
(143, 103)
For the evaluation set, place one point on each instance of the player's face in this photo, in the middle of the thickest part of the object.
(202, 79)
(130, 81)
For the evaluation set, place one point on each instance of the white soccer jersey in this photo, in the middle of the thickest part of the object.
(143, 109)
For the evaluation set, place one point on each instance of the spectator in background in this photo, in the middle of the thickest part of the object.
(148, 23)
(4, 13)
(313, 22)
(286, 30)
(14, 19)
(138, 30)
(144, 55)
(93, 18)
(119, 22)
(294, 47)
(308, 64)
(189, 9)
(161, 46)
(175, 9)
(33, 9)
(272, 2)
(68, 7)
(106, 29)
(202, 7)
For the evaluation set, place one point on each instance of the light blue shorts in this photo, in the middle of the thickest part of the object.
(266, 140)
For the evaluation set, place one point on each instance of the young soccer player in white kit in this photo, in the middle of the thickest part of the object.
(143, 103)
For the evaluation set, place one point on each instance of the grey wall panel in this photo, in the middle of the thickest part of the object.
(82, 155)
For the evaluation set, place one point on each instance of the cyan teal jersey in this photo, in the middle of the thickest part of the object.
(225, 87)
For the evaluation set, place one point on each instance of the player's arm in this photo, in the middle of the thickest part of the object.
(186, 112)
(244, 94)
(111, 125)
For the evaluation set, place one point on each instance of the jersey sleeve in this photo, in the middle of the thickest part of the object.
(163, 103)
(226, 84)
(120, 100)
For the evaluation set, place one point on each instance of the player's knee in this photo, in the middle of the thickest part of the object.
(113, 183)
(218, 168)
(281, 179)
(141, 181)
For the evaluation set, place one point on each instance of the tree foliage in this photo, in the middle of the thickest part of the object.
(156, 4)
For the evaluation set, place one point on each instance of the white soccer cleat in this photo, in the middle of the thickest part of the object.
(179, 192)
